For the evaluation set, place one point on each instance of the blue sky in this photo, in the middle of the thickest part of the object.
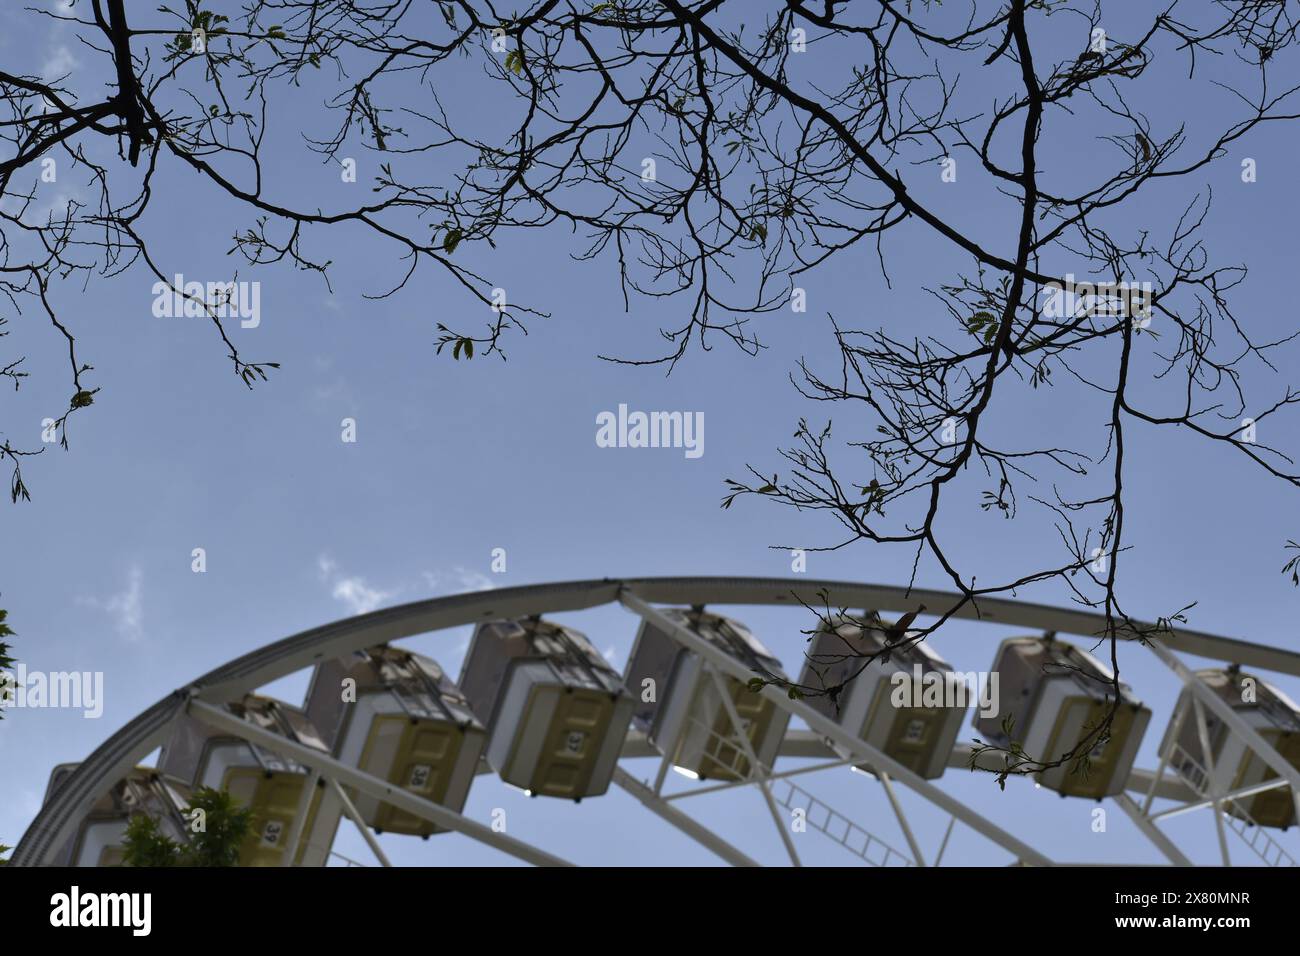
(454, 459)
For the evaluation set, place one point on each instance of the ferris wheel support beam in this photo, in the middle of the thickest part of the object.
(1158, 837)
(943, 845)
(300, 819)
(350, 809)
(828, 728)
(1231, 795)
(1207, 758)
(757, 768)
(664, 766)
(902, 818)
(682, 821)
(1174, 731)
(340, 773)
(782, 775)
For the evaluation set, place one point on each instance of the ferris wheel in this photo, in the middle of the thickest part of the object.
(387, 740)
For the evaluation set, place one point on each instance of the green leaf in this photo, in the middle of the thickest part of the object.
(984, 324)
(452, 240)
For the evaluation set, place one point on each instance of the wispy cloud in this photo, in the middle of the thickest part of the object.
(335, 392)
(58, 63)
(351, 590)
(457, 580)
(125, 607)
(56, 207)
(360, 596)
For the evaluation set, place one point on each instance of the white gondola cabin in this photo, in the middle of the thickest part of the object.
(396, 715)
(100, 835)
(556, 712)
(688, 718)
(1055, 695)
(884, 687)
(276, 788)
(1235, 766)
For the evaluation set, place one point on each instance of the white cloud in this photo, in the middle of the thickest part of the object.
(126, 607)
(458, 580)
(352, 591)
(359, 596)
(57, 206)
(58, 64)
(337, 389)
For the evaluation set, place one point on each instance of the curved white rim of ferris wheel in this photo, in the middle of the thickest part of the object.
(133, 742)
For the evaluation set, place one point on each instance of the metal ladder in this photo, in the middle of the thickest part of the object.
(837, 826)
(863, 844)
(1239, 821)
